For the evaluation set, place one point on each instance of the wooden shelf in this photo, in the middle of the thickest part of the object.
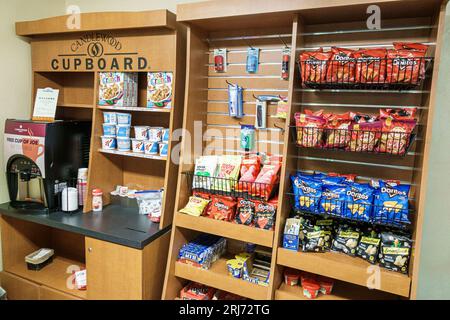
(217, 277)
(54, 275)
(344, 268)
(341, 291)
(139, 109)
(226, 229)
(133, 155)
(75, 105)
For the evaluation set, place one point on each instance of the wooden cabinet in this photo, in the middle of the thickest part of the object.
(46, 293)
(18, 288)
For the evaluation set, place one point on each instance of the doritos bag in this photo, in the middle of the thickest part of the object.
(265, 213)
(307, 193)
(332, 199)
(370, 66)
(222, 208)
(341, 68)
(396, 136)
(245, 212)
(405, 66)
(358, 202)
(391, 203)
(314, 66)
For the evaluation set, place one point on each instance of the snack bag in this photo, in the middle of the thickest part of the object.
(410, 46)
(396, 136)
(349, 178)
(314, 240)
(222, 208)
(265, 213)
(337, 131)
(327, 226)
(332, 199)
(196, 291)
(227, 173)
(250, 169)
(370, 65)
(282, 109)
(407, 64)
(341, 68)
(266, 180)
(398, 114)
(369, 246)
(307, 193)
(314, 65)
(365, 136)
(195, 206)
(291, 234)
(245, 212)
(358, 202)
(362, 118)
(309, 130)
(205, 168)
(346, 240)
(395, 252)
(391, 203)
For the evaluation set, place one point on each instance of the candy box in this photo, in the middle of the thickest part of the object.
(159, 90)
(291, 234)
(118, 89)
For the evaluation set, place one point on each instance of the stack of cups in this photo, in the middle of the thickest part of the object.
(116, 131)
(82, 185)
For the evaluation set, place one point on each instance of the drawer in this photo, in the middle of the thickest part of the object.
(18, 288)
(46, 293)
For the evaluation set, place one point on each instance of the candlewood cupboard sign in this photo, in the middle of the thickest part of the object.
(98, 51)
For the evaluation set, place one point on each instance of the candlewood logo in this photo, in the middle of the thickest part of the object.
(98, 51)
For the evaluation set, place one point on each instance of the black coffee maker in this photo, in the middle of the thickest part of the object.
(42, 157)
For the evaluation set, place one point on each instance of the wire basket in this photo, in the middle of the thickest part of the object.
(231, 187)
(365, 74)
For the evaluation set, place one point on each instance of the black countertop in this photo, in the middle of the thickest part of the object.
(114, 224)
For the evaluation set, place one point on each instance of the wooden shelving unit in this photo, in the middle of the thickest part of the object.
(138, 109)
(308, 25)
(133, 154)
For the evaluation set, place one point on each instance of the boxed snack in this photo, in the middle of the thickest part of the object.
(118, 89)
(159, 89)
(291, 234)
(202, 251)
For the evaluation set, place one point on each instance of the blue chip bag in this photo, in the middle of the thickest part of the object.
(332, 199)
(358, 202)
(307, 193)
(391, 203)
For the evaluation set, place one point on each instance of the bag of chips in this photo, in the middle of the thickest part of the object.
(205, 168)
(196, 291)
(314, 66)
(396, 136)
(265, 213)
(195, 206)
(337, 131)
(250, 169)
(314, 240)
(227, 172)
(332, 199)
(310, 130)
(370, 65)
(341, 68)
(267, 179)
(395, 252)
(362, 117)
(398, 114)
(391, 203)
(245, 212)
(406, 63)
(369, 246)
(307, 193)
(221, 208)
(346, 240)
(358, 202)
(327, 226)
(365, 136)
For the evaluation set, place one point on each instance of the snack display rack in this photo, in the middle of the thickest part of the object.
(306, 25)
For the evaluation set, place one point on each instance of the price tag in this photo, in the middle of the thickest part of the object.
(45, 104)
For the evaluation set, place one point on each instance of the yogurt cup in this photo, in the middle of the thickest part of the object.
(109, 143)
(155, 134)
(123, 118)
(141, 132)
(151, 147)
(109, 117)
(109, 130)
(123, 144)
(123, 131)
(163, 149)
(165, 135)
(137, 146)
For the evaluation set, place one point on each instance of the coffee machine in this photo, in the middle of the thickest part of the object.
(41, 158)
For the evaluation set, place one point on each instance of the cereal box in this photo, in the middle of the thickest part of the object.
(159, 90)
(118, 89)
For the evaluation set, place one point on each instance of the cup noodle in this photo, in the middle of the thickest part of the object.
(118, 89)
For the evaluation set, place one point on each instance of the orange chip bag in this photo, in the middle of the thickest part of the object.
(222, 208)
(309, 129)
(396, 136)
(341, 68)
(370, 65)
(266, 180)
(250, 168)
(314, 66)
(405, 66)
(338, 133)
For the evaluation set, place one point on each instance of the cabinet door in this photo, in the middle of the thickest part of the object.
(46, 293)
(18, 288)
(114, 272)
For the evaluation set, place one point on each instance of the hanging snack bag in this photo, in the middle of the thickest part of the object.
(358, 202)
(341, 68)
(398, 114)
(205, 169)
(221, 208)
(346, 240)
(307, 193)
(365, 136)
(250, 168)
(406, 63)
(235, 101)
(195, 206)
(332, 199)
(265, 213)
(245, 212)
(267, 178)
(369, 246)
(370, 65)
(282, 109)
(314, 66)
(309, 130)
(337, 131)
(391, 203)
(395, 252)
(227, 172)
(396, 136)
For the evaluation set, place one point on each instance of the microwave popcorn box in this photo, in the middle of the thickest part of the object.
(291, 234)
(118, 89)
(159, 89)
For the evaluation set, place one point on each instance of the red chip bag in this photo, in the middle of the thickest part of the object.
(314, 66)
(250, 168)
(362, 118)
(266, 180)
(405, 66)
(222, 208)
(341, 68)
(370, 66)
(348, 177)
(196, 291)
(265, 213)
(396, 136)
(365, 136)
(410, 46)
(338, 133)
(245, 212)
(309, 130)
(398, 114)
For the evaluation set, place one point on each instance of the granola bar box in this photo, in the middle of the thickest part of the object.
(118, 89)
(159, 90)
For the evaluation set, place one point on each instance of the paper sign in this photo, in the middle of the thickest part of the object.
(45, 104)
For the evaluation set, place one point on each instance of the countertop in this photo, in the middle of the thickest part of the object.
(114, 224)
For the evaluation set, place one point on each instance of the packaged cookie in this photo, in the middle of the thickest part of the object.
(395, 251)
(346, 240)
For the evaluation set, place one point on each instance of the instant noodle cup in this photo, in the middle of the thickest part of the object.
(151, 148)
(109, 143)
(109, 118)
(123, 118)
(370, 66)
(137, 146)
(109, 130)
(314, 66)
(341, 68)
(155, 134)
(310, 288)
(291, 277)
(123, 144)
(195, 206)
(141, 132)
(123, 131)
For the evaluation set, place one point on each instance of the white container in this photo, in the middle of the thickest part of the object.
(109, 130)
(97, 200)
(123, 131)
(69, 199)
(109, 118)
(137, 146)
(123, 144)
(123, 118)
(163, 149)
(141, 132)
(151, 147)
(165, 135)
(155, 134)
(109, 143)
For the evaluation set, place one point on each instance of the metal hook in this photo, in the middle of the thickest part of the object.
(255, 97)
(229, 83)
(284, 42)
(277, 126)
(247, 43)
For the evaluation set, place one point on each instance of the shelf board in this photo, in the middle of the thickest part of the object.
(53, 275)
(341, 291)
(217, 277)
(225, 229)
(132, 154)
(140, 109)
(345, 268)
(76, 105)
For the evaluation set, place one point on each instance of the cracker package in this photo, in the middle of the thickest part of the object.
(118, 89)
(159, 90)
(227, 173)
